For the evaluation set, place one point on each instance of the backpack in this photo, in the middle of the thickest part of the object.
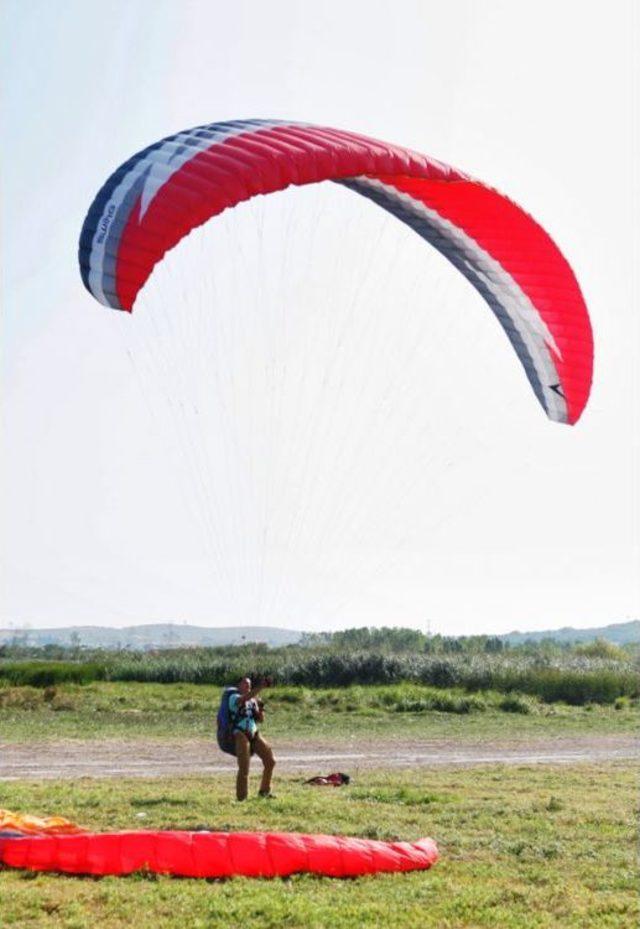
(225, 722)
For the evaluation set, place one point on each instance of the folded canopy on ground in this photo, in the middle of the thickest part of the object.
(214, 854)
(27, 824)
(164, 191)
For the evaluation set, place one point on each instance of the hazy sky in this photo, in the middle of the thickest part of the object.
(459, 505)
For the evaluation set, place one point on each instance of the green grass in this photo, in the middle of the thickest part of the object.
(526, 847)
(522, 848)
(133, 710)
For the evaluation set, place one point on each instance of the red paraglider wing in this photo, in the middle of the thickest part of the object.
(157, 197)
(214, 854)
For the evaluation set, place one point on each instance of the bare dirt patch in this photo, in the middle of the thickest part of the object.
(69, 759)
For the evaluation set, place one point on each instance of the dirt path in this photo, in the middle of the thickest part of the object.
(70, 759)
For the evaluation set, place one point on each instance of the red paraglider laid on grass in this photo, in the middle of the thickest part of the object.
(213, 854)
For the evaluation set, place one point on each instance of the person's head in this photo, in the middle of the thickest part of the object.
(244, 686)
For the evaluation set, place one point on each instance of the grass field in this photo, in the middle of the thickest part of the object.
(525, 846)
(133, 710)
(521, 847)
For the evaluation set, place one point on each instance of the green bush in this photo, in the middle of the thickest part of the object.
(578, 680)
(441, 703)
(515, 704)
(554, 685)
(600, 648)
(50, 673)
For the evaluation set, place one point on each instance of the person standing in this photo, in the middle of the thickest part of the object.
(246, 712)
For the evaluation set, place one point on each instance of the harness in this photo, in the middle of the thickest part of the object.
(228, 720)
(245, 711)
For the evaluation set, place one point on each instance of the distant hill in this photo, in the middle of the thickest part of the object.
(618, 633)
(173, 635)
(155, 635)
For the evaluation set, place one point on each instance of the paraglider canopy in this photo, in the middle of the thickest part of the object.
(56, 844)
(163, 192)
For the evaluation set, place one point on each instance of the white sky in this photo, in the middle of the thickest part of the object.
(508, 521)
